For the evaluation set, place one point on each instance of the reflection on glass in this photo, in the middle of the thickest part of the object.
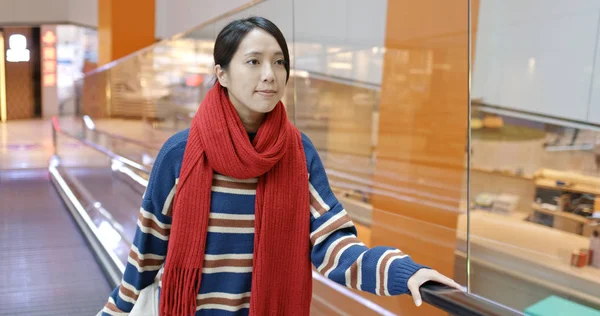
(535, 156)
(392, 142)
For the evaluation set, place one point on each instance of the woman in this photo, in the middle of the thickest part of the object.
(239, 205)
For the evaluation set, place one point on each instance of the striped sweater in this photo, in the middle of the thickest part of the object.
(336, 252)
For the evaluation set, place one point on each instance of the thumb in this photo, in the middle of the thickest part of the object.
(416, 295)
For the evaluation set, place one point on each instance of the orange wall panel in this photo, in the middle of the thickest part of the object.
(422, 136)
(124, 27)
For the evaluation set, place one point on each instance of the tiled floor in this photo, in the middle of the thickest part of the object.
(25, 144)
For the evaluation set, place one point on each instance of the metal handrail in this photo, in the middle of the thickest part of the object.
(56, 129)
(461, 303)
(89, 125)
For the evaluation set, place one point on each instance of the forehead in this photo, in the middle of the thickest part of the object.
(260, 42)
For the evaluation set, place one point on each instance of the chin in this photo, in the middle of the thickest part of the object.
(263, 108)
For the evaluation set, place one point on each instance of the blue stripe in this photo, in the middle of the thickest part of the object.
(135, 278)
(227, 282)
(224, 243)
(220, 312)
(148, 243)
(369, 268)
(346, 260)
(232, 203)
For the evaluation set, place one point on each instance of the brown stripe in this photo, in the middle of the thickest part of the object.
(336, 250)
(113, 307)
(170, 209)
(146, 222)
(228, 263)
(382, 278)
(354, 275)
(145, 262)
(223, 301)
(128, 293)
(243, 223)
(234, 185)
(316, 204)
(332, 227)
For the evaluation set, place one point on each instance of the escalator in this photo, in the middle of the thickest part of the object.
(46, 267)
(116, 196)
(109, 197)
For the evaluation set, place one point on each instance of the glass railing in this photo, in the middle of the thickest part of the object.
(106, 219)
(389, 119)
(535, 163)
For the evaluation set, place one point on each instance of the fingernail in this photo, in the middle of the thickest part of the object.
(419, 302)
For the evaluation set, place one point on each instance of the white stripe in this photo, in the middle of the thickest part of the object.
(233, 191)
(227, 269)
(386, 272)
(231, 230)
(317, 197)
(232, 216)
(153, 218)
(336, 261)
(328, 222)
(223, 307)
(347, 275)
(109, 312)
(144, 256)
(126, 298)
(223, 295)
(148, 230)
(130, 287)
(228, 256)
(377, 274)
(329, 251)
(322, 238)
(169, 199)
(140, 269)
(359, 272)
(314, 212)
(230, 179)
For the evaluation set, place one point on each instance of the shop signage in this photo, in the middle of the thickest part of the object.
(17, 51)
(49, 58)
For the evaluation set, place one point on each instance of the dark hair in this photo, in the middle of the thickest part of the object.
(231, 35)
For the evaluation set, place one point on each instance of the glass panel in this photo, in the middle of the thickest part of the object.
(535, 155)
(384, 100)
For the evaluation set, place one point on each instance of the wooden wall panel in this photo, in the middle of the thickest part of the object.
(19, 80)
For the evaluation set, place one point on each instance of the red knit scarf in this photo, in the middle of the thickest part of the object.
(218, 142)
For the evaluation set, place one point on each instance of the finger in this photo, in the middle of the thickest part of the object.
(416, 295)
(438, 277)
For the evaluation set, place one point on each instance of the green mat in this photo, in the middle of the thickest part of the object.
(557, 306)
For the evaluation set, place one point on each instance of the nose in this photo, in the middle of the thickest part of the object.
(267, 73)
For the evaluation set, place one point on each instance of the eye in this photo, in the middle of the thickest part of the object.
(252, 62)
(280, 62)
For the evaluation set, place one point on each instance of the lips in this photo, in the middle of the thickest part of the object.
(267, 93)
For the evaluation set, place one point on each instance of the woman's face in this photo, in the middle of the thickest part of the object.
(255, 78)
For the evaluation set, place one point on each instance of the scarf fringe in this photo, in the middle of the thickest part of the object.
(185, 283)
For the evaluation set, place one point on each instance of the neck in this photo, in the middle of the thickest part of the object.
(250, 119)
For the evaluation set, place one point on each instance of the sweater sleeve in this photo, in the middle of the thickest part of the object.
(338, 254)
(149, 248)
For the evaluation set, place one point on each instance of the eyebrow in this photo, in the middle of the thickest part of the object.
(259, 53)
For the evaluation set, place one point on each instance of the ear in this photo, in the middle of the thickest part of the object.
(221, 75)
